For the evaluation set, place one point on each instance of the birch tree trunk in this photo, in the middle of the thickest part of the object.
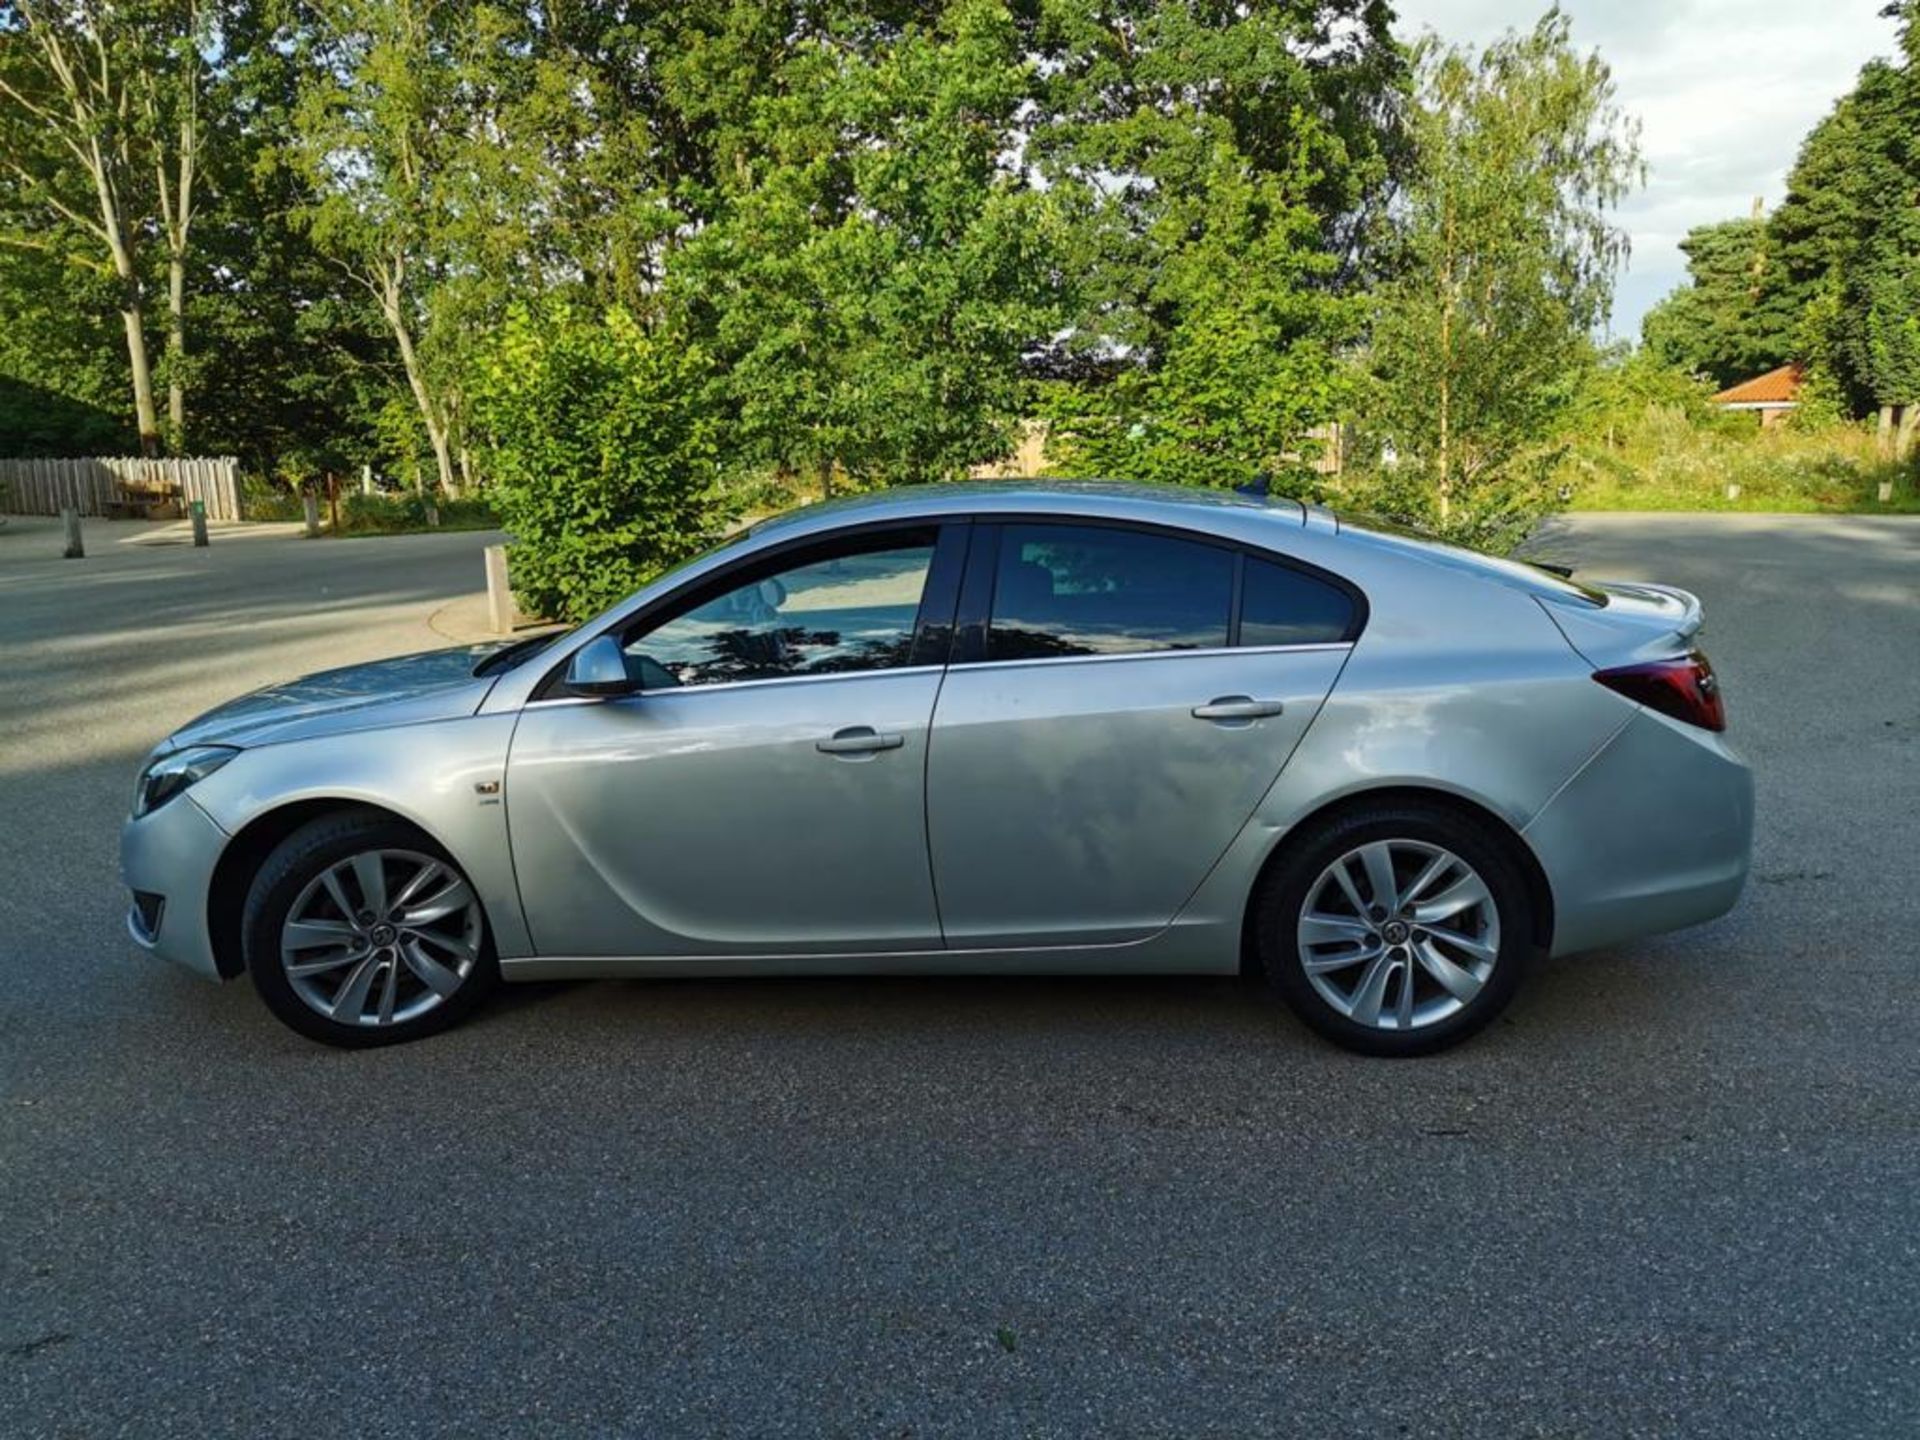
(390, 289)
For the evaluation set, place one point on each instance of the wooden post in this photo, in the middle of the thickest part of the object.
(433, 515)
(1886, 491)
(333, 500)
(499, 596)
(311, 503)
(198, 509)
(76, 547)
(366, 479)
(1733, 492)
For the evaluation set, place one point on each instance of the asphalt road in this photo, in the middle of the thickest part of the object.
(1674, 1193)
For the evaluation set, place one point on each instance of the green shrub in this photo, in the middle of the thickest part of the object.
(381, 513)
(602, 450)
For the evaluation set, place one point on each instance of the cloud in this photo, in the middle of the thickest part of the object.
(1725, 91)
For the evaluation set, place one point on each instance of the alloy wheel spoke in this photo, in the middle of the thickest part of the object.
(300, 968)
(338, 892)
(1433, 870)
(1378, 860)
(306, 934)
(1344, 878)
(1465, 893)
(351, 1002)
(1473, 945)
(427, 875)
(1459, 981)
(435, 976)
(1372, 992)
(454, 898)
(1403, 1008)
(389, 990)
(370, 869)
(457, 946)
(1321, 929)
(1343, 960)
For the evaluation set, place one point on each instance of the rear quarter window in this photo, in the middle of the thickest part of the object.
(1283, 606)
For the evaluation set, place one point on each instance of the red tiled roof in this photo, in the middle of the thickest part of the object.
(1776, 387)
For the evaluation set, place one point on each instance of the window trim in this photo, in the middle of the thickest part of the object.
(950, 534)
(982, 573)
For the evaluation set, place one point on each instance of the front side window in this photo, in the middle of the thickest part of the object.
(852, 607)
(1093, 590)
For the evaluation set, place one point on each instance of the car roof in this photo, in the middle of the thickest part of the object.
(1134, 499)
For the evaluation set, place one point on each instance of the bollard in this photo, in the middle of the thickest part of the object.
(499, 597)
(433, 515)
(1733, 492)
(199, 512)
(1886, 492)
(76, 547)
(311, 502)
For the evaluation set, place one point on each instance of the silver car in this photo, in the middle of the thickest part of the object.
(1004, 728)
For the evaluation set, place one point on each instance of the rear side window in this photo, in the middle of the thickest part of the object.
(1283, 606)
(1092, 590)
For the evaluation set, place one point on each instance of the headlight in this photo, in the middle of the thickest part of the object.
(170, 774)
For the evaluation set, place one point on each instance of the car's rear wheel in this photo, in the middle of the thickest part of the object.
(360, 931)
(1395, 930)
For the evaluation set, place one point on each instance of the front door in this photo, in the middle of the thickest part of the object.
(764, 793)
(1130, 700)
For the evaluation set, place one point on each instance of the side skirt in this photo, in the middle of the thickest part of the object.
(1179, 950)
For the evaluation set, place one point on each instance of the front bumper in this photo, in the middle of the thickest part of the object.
(1654, 833)
(167, 858)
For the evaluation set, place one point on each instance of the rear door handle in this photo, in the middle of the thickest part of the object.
(1237, 707)
(859, 740)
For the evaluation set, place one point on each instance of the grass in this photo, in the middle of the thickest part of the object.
(1668, 461)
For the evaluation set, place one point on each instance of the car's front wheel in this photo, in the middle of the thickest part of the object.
(360, 931)
(1396, 930)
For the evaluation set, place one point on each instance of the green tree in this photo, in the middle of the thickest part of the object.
(1216, 167)
(100, 140)
(1727, 322)
(1846, 235)
(874, 260)
(604, 453)
(1501, 262)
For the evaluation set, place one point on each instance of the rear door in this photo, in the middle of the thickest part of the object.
(1121, 698)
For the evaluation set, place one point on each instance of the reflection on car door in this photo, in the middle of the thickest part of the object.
(1100, 741)
(764, 793)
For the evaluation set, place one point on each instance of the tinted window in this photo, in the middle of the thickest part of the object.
(1279, 606)
(851, 609)
(1091, 590)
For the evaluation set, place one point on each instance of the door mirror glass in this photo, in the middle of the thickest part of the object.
(599, 668)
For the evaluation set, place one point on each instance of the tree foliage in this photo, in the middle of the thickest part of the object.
(1730, 321)
(1500, 259)
(604, 455)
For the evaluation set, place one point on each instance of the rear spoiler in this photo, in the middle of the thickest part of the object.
(1639, 622)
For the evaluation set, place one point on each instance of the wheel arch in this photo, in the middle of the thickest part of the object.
(1539, 888)
(248, 850)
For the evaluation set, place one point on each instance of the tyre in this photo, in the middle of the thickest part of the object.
(360, 931)
(1395, 930)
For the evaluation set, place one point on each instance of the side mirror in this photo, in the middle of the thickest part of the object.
(600, 668)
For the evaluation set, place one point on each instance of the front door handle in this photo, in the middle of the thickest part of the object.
(859, 740)
(1237, 707)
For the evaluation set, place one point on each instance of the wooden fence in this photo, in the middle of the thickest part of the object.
(108, 486)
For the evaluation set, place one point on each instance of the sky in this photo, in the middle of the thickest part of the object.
(1725, 90)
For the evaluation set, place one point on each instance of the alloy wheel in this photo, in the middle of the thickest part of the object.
(381, 937)
(1398, 934)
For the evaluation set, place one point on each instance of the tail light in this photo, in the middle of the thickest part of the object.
(1684, 688)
